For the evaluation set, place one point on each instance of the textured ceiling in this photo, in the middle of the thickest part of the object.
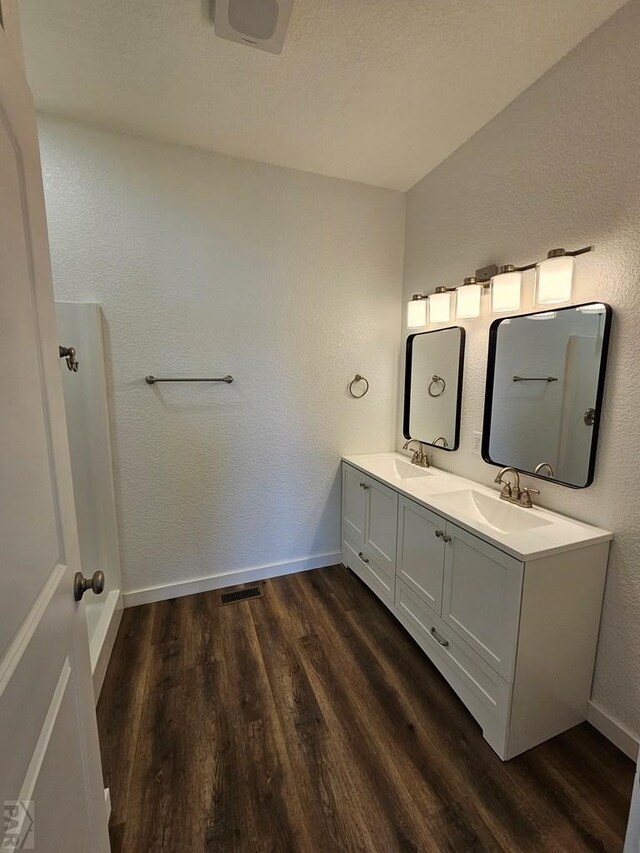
(378, 91)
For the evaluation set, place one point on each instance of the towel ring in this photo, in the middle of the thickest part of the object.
(436, 380)
(358, 378)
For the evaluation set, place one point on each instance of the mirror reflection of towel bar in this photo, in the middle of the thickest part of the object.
(535, 378)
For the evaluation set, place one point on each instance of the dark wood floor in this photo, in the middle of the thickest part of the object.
(308, 720)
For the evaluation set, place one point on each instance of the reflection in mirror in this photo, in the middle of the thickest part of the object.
(433, 387)
(544, 392)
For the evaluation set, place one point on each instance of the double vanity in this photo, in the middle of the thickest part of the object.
(505, 601)
(504, 597)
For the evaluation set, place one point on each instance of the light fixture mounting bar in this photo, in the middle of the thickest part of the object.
(485, 274)
(557, 253)
(579, 251)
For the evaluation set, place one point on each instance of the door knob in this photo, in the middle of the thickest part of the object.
(81, 584)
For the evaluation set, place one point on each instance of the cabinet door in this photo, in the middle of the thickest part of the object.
(421, 552)
(354, 505)
(481, 602)
(381, 530)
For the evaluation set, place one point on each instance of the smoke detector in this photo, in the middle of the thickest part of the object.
(258, 23)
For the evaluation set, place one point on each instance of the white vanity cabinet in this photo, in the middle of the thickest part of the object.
(354, 506)
(421, 552)
(482, 597)
(369, 531)
(514, 637)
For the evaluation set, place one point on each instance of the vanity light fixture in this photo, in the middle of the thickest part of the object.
(554, 282)
(417, 311)
(440, 305)
(469, 293)
(554, 276)
(506, 288)
(469, 298)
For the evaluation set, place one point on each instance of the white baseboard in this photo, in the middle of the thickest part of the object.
(613, 730)
(258, 573)
(102, 643)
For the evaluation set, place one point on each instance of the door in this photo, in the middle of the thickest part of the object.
(481, 601)
(632, 841)
(354, 505)
(381, 527)
(50, 777)
(421, 552)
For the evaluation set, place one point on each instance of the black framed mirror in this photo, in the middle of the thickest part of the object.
(433, 387)
(544, 392)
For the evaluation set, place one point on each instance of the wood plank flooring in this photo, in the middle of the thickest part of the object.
(308, 720)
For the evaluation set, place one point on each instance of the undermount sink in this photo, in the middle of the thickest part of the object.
(490, 510)
(406, 470)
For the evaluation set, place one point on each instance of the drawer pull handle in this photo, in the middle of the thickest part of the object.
(362, 557)
(446, 538)
(437, 637)
(439, 533)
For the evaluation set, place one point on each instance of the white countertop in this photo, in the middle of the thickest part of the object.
(437, 490)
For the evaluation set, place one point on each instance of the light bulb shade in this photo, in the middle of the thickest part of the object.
(416, 313)
(440, 307)
(505, 292)
(468, 299)
(554, 280)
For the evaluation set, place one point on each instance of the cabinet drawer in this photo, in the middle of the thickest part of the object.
(481, 689)
(421, 549)
(377, 578)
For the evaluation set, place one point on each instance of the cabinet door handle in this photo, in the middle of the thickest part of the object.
(362, 557)
(446, 538)
(437, 637)
(362, 485)
(439, 533)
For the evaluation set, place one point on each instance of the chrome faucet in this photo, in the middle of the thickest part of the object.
(538, 469)
(512, 492)
(420, 455)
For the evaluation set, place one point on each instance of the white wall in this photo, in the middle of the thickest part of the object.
(207, 265)
(560, 166)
